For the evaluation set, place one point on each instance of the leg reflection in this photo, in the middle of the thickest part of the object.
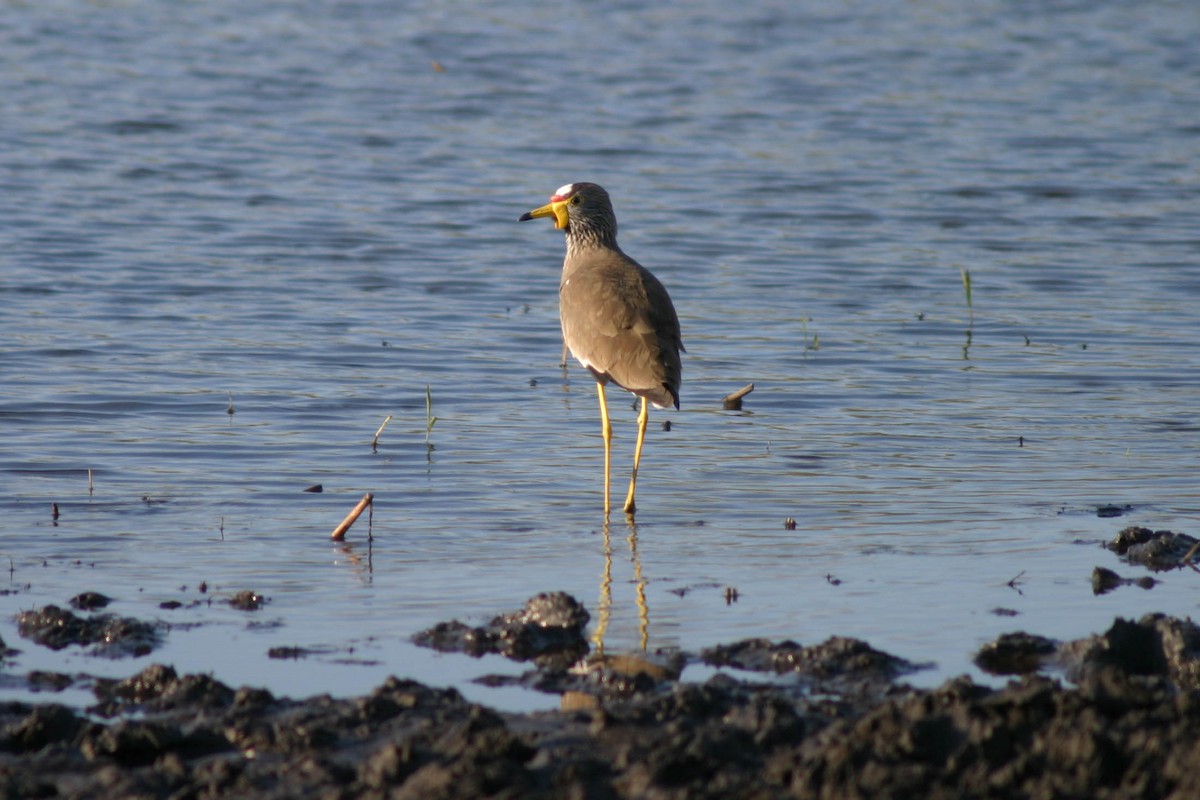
(639, 587)
(604, 604)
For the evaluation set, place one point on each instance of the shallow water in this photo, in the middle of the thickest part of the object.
(311, 210)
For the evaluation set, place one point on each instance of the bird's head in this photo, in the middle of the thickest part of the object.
(579, 208)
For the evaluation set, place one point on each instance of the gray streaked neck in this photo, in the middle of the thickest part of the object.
(589, 235)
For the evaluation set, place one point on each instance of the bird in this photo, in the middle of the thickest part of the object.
(617, 319)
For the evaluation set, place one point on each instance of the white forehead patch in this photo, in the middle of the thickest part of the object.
(564, 190)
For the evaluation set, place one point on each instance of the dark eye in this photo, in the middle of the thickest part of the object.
(576, 200)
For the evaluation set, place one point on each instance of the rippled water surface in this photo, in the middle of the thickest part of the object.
(309, 210)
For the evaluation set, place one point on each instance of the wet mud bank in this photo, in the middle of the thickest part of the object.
(828, 720)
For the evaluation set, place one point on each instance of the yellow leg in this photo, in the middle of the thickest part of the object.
(643, 419)
(606, 432)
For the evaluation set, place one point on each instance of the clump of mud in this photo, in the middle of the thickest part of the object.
(1115, 736)
(837, 658)
(113, 636)
(1156, 645)
(1156, 550)
(1017, 653)
(547, 630)
(89, 601)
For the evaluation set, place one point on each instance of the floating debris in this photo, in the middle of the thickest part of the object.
(288, 653)
(247, 601)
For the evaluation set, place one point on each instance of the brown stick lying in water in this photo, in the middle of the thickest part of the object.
(339, 533)
(733, 402)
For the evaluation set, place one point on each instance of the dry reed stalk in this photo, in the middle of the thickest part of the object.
(339, 533)
(733, 402)
(375, 441)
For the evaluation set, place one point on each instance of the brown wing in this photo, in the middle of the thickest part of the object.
(619, 321)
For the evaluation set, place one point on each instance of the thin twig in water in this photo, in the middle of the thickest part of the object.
(430, 419)
(375, 441)
(966, 280)
(229, 410)
(816, 343)
(1015, 580)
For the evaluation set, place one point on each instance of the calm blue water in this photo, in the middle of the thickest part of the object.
(311, 207)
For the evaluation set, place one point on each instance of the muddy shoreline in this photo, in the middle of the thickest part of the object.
(829, 720)
(1115, 715)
